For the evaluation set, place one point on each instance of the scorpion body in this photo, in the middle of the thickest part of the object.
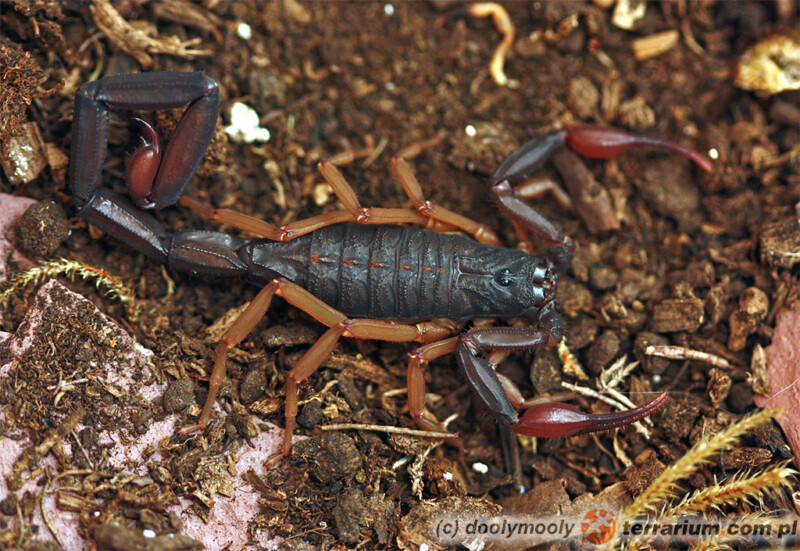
(371, 279)
(396, 272)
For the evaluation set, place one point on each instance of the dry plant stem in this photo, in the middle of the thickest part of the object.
(45, 516)
(620, 453)
(506, 27)
(391, 430)
(135, 42)
(681, 353)
(590, 198)
(415, 470)
(703, 452)
(46, 490)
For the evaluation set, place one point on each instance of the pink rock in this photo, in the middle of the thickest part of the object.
(227, 523)
(127, 372)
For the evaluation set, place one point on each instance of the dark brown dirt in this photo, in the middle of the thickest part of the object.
(684, 250)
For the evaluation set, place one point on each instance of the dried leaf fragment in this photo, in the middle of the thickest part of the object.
(771, 65)
(783, 368)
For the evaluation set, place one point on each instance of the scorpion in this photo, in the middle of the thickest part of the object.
(368, 273)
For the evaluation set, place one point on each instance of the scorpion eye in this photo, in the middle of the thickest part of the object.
(503, 278)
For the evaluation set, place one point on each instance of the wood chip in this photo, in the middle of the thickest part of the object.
(655, 44)
(22, 156)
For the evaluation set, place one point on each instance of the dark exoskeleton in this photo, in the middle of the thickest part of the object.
(363, 272)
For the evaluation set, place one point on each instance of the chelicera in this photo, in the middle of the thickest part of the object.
(368, 273)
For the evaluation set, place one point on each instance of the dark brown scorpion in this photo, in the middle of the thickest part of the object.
(361, 271)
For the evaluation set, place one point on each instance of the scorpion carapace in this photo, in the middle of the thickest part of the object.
(363, 272)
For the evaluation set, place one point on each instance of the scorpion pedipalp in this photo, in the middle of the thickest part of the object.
(562, 420)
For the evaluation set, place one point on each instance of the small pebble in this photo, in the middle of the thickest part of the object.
(602, 277)
(311, 415)
(602, 351)
(179, 395)
(252, 386)
(583, 97)
(42, 228)
(9, 505)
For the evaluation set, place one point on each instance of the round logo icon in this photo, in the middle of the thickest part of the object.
(598, 526)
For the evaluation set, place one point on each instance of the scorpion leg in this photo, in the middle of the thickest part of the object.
(339, 326)
(425, 213)
(353, 209)
(354, 212)
(481, 232)
(422, 215)
(322, 349)
(244, 324)
(416, 384)
(432, 216)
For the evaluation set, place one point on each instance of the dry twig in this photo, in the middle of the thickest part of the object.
(137, 43)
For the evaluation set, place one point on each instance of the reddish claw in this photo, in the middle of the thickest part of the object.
(142, 166)
(563, 420)
(605, 142)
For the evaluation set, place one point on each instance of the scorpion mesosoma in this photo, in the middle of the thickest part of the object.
(363, 272)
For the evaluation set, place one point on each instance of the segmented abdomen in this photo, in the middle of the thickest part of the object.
(384, 272)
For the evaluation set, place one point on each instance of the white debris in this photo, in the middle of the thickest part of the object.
(244, 31)
(244, 125)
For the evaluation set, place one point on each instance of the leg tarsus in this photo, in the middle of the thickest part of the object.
(416, 386)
